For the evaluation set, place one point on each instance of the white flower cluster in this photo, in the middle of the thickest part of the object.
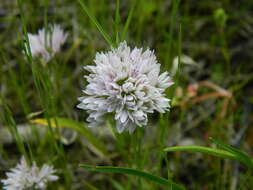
(23, 176)
(126, 83)
(47, 42)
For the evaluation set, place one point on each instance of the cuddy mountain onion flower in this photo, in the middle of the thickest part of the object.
(47, 42)
(126, 83)
(24, 176)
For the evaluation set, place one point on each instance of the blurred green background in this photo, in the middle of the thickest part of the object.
(213, 94)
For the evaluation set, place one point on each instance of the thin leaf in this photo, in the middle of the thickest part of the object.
(202, 149)
(129, 18)
(94, 20)
(77, 126)
(145, 175)
(242, 157)
(214, 152)
(117, 21)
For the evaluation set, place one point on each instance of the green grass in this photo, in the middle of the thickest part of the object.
(215, 34)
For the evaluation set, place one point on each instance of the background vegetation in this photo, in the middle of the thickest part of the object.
(212, 95)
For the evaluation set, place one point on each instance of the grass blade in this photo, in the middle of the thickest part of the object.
(232, 155)
(173, 20)
(77, 126)
(117, 21)
(242, 157)
(129, 18)
(202, 149)
(141, 174)
(94, 20)
(7, 117)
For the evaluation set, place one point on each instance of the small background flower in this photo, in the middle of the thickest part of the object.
(24, 176)
(47, 42)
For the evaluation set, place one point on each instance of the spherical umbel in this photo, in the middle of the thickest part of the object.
(126, 83)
